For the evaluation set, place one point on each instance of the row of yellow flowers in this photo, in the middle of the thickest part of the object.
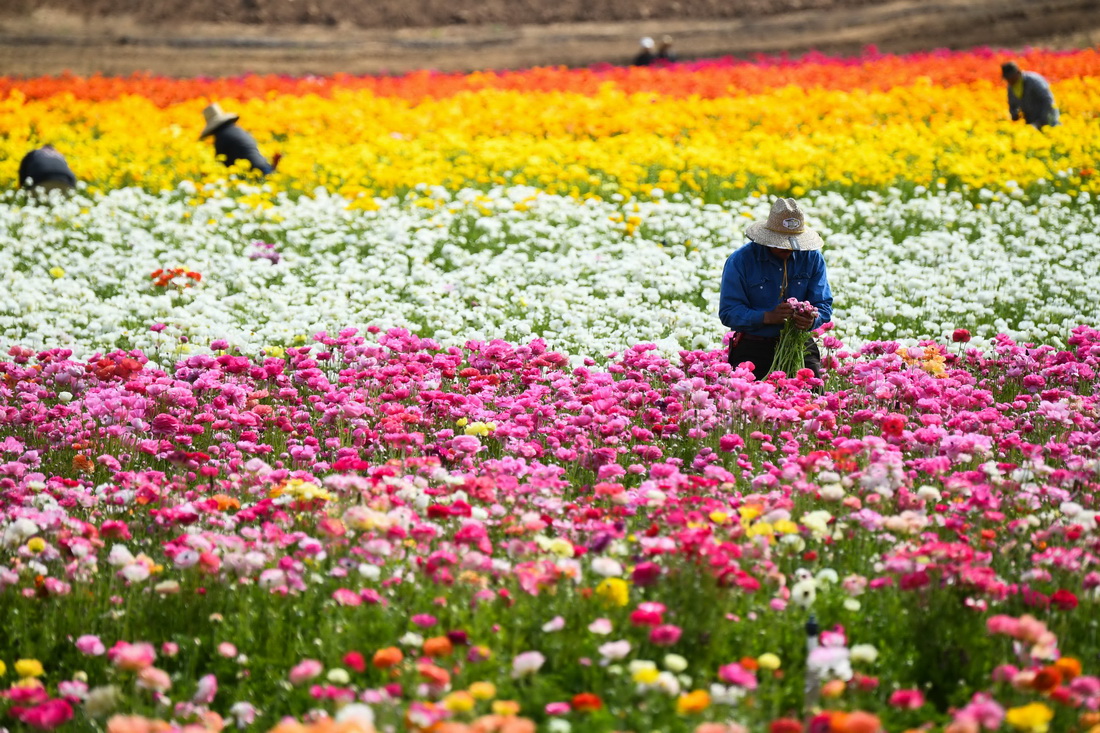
(786, 140)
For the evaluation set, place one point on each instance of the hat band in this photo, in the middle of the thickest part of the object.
(800, 230)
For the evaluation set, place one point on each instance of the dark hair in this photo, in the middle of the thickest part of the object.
(1009, 70)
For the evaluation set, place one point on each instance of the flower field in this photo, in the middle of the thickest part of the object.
(433, 429)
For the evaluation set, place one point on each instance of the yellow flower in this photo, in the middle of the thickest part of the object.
(505, 707)
(275, 352)
(695, 701)
(719, 517)
(29, 668)
(1034, 717)
(483, 690)
(646, 675)
(786, 526)
(614, 590)
(480, 428)
(36, 544)
(461, 422)
(768, 661)
(3, 668)
(459, 702)
(57, 272)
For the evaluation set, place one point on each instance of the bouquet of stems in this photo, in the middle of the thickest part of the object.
(790, 352)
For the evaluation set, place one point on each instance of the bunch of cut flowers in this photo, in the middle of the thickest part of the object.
(790, 352)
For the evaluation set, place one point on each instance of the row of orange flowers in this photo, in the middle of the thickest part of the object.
(707, 79)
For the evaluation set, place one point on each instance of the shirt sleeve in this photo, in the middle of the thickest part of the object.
(733, 303)
(1013, 105)
(819, 293)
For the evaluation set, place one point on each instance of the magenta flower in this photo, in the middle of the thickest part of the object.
(48, 715)
(665, 635)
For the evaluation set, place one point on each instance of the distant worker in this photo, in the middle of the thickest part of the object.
(664, 51)
(646, 55)
(233, 142)
(46, 169)
(1029, 94)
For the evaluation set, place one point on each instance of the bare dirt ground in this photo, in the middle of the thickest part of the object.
(228, 37)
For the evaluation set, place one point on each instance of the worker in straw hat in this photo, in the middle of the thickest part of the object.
(782, 260)
(647, 52)
(232, 142)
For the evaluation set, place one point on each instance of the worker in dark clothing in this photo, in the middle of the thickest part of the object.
(46, 168)
(1029, 96)
(647, 52)
(233, 142)
(664, 50)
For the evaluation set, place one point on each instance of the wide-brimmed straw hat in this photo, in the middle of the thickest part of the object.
(785, 228)
(215, 118)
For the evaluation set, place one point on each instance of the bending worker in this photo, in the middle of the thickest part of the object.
(233, 142)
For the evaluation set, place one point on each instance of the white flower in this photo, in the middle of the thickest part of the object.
(527, 663)
(674, 663)
(356, 712)
(613, 651)
(864, 653)
(555, 624)
(804, 593)
(607, 567)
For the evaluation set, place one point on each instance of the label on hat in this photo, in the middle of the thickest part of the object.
(792, 223)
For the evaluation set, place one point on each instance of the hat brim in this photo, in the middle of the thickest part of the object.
(807, 240)
(214, 124)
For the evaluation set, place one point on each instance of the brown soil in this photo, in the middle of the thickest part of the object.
(226, 37)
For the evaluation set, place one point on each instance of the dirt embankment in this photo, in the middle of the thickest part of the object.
(226, 37)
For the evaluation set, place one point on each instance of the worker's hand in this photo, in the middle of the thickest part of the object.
(805, 321)
(782, 312)
(275, 160)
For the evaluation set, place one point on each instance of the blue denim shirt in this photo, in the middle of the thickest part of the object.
(751, 282)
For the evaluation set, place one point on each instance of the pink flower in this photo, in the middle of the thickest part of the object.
(346, 597)
(90, 645)
(304, 671)
(908, 699)
(227, 649)
(735, 674)
(527, 663)
(557, 708)
(151, 678)
(646, 574)
(48, 715)
(665, 635)
(424, 620)
(206, 690)
(132, 657)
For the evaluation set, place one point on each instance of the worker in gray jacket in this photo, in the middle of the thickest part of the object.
(234, 143)
(1029, 94)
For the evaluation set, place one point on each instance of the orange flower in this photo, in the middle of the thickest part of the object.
(82, 464)
(438, 646)
(695, 701)
(388, 657)
(1069, 667)
(857, 722)
(226, 502)
(749, 663)
(434, 675)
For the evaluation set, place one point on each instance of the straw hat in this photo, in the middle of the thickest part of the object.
(215, 118)
(785, 228)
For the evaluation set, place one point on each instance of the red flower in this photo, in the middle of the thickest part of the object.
(1064, 599)
(960, 336)
(587, 702)
(356, 661)
(785, 725)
